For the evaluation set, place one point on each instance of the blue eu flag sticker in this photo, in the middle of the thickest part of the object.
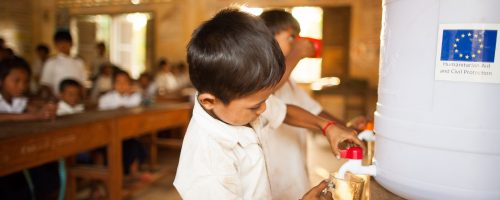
(469, 45)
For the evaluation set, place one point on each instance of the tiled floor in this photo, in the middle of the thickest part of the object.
(320, 160)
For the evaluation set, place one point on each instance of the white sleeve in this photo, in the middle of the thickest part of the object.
(308, 103)
(47, 75)
(134, 100)
(106, 102)
(275, 111)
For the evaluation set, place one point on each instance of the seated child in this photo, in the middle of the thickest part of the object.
(146, 87)
(165, 80)
(235, 64)
(103, 82)
(70, 93)
(123, 95)
(14, 82)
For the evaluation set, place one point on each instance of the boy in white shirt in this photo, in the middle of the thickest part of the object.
(235, 64)
(123, 94)
(70, 98)
(62, 66)
(289, 139)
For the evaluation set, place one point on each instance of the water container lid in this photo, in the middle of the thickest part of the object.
(352, 153)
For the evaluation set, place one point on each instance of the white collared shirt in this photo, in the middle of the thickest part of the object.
(285, 148)
(113, 100)
(18, 105)
(64, 108)
(221, 161)
(61, 67)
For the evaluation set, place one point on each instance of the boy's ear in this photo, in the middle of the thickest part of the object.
(207, 100)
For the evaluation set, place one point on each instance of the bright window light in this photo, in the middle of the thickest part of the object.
(251, 10)
(310, 20)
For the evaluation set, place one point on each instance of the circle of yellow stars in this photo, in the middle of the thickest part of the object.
(469, 36)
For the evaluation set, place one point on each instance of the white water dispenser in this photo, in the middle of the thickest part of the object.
(438, 111)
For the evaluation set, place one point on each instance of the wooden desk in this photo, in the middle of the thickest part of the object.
(29, 144)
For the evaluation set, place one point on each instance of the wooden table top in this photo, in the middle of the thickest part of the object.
(19, 129)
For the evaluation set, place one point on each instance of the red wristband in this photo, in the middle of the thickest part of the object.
(327, 125)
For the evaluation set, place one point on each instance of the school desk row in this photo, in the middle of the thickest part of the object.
(27, 144)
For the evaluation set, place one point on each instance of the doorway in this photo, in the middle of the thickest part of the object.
(127, 37)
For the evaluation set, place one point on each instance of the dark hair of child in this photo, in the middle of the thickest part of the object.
(67, 83)
(278, 20)
(121, 73)
(43, 48)
(7, 65)
(234, 55)
(62, 36)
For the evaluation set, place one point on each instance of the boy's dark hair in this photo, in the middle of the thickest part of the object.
(278, 20)
(162, 62)
(67, 83)
(7, 65)
(234, 55)
(101, 45)
(120, 73)
(42, 47)
(63, 36)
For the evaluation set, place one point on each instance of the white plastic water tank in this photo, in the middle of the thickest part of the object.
(438, 136)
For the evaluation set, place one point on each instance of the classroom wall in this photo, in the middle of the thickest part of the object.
(175, 20)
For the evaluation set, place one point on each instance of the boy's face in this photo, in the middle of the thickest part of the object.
(64, 46)
(15, 83)
(285, 39)
(122, 84)
(71, 95)
(238, 112)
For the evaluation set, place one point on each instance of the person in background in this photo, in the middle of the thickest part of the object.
(70, 92)
(181, 75)
(14, 83)
(14, 106)
(288, 139)
(165, 81)
(103, 82)
(146, 87)
(62, 66)
(100, 59)
(42, 55)
(124, 96)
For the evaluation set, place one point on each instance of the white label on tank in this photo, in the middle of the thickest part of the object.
(468, 52)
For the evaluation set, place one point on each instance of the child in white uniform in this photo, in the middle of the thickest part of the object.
(70, 98)
(14, 81)
(221, 156)
(288, 139)
(62, 66)
(123, 95)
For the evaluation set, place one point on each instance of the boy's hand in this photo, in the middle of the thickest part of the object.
(337, 134)
(302, 48)
(358, 123)
(317, 192)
